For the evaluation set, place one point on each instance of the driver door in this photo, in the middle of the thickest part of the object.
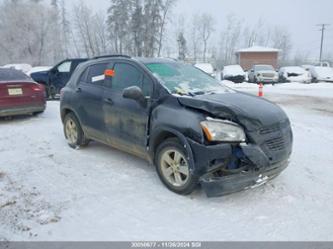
(60, 75)
(126, 120)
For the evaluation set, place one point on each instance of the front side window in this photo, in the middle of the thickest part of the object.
(64, 67)
(126, 75)
(184, 79)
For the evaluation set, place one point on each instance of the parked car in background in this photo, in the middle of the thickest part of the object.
(234, 73)
(38, 69)
(19, 94)
(207, 68)
(294, 74)
(189, 125)
(323, 64)
(56, 78)
(263, 74)
(324, 74)
(25, 68)
(307, 67)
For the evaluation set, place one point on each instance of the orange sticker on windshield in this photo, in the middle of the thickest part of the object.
(109, 72)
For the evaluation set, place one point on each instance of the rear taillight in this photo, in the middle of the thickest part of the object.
(38, 88)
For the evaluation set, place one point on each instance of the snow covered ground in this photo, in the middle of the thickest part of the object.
(51, 192)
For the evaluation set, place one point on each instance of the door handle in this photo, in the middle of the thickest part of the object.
(109, 101)
(78, 90)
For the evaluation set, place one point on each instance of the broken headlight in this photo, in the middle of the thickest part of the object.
(223, 131)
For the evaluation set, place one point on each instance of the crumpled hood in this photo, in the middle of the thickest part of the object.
(250, 111)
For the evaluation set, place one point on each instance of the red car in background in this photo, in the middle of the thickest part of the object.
(19, 94)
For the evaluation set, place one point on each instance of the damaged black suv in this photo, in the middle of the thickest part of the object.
(190, 126)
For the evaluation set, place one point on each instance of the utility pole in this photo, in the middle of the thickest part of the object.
(323, 27)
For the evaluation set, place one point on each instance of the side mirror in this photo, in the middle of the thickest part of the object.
(135, 93)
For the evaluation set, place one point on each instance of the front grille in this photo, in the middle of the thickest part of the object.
(276, 144)
(268, 75)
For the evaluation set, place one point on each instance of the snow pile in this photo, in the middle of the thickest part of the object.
(21, 208)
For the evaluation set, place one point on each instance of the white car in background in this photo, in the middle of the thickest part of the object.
(234, 73)
(294, 74)
(207, 68)
(263, 74)
(25, 68)
(324, 74)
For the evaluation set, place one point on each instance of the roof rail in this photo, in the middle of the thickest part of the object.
(111, 55)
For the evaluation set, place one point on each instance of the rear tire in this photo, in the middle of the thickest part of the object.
(37, 113)
(73, 132)
(173, 167)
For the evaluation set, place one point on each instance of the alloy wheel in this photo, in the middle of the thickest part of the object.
(71, 131)
(174, 167)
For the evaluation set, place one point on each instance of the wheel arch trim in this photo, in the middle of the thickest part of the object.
(155, 141)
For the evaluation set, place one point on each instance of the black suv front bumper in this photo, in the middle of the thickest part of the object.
(218, 186)
(262, 168)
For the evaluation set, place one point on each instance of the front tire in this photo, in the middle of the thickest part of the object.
(173, 167)
(73, 132)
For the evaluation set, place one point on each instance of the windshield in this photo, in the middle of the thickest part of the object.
(185, 79)
(12, 74)
(264, 68)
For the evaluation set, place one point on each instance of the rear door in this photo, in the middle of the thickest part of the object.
(125, 119)
(89, 93)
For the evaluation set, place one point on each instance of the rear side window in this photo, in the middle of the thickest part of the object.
(125, 76)
(95, 74)
(12, 74)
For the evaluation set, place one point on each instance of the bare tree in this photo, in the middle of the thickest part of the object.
(301, 57)
(195, 39)
(26, 35)
(119, 16)
(91, 29)
(137, 28)
(165, 8)
(205, 28)
(281, 40)
(229, 41)
(181, 46)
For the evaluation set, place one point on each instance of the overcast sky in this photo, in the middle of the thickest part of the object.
(298, 16)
